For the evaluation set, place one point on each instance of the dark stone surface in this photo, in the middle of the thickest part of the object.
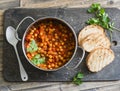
(76, 18)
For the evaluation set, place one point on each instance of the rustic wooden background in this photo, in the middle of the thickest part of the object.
(56, 86)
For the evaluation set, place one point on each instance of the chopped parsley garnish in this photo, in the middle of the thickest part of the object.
(38, 60)
(32, 46)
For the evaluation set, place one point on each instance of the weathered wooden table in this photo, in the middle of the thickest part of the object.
(56, 86)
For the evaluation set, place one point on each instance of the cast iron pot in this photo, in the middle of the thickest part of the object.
(57, 20)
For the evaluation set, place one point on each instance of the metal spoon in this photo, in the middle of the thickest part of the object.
(10, 35)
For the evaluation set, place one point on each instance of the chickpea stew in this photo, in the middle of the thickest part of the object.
(49, 44)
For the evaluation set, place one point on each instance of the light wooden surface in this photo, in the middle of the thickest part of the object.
(55, 86)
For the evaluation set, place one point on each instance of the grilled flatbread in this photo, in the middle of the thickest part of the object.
(94, 41)
(89, 30)
(99, 58)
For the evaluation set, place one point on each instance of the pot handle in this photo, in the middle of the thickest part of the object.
(27, 17)
(80, 60)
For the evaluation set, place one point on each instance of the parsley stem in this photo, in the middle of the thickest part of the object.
(110, 35)
(115, 29)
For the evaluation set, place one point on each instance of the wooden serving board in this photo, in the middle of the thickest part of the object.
(76, 17)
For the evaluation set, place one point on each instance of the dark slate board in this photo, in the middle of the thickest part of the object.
(76, 17)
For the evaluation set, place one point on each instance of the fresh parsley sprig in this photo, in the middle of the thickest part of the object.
(78, 78)
(100, 18)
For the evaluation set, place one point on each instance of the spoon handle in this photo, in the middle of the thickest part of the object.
(23, 73)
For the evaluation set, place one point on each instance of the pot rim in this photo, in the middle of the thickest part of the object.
(62, 21)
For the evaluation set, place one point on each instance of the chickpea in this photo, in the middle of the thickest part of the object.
(57, 49)
(45, 47)
(50, 49)
(62, 43)
(65, 55)
(54, 29)
(31, 39)
(42, 55)
(32, 36)
(47, 29)
(50, 60)
(64, 47)
(38, 65)
(56, 37)
(53, 39)
(41, 33)
(65, 39)
(44, 52)
(66, 36)
(50, 56)
(61, 58)
(39, 48)
(59, 63)
(45, 43)
(59, 52)
(56, 66)
(41, 44)
(69, 53)
(55, 53)
(50, 52)
(50, 45)
(31, 33)
(46, 39)
(49, 66)
(56, 43)
(35, 35)
(65, 31)
(64, 60)
(53, 65)
(32, 55)
(34, 28)
(63, 35)
(54, 46)
(56, 34)
(61, 49)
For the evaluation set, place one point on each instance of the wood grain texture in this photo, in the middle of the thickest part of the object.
(33, 85)
(1, 68)
(5, 4)
(87, 85)
(58, 86)
(1, 21)
(1, 52)
(109, 88)
(39, 86)
(106, 88)
(67, 3)
(1, 13)
(1, 29)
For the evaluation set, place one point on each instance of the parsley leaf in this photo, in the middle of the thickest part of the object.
(94, 7)
(32, 46)
(78, 78)
(93, 21)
